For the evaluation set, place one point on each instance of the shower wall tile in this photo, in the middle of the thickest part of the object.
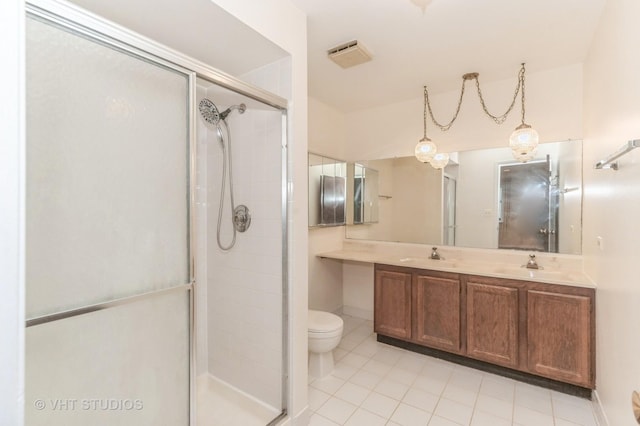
(245, 284)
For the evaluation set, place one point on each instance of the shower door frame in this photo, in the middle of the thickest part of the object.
(103, 31)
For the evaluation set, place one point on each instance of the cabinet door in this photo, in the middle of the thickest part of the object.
(492, 323)
(392, 304)
(559, 336)
(436, 307)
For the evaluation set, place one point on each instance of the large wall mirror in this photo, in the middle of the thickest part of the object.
(482, 199)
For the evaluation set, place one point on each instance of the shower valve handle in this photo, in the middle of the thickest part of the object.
(241, 218)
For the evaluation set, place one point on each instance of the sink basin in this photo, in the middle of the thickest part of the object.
(536, 273)
(411, 259)
(443, 263)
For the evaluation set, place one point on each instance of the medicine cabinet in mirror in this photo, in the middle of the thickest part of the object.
(327, 191)
(482, 199)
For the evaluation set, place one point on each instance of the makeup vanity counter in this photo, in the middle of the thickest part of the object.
(534, 325)
(556, 268)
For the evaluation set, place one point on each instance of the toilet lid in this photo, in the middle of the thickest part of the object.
(324, 321)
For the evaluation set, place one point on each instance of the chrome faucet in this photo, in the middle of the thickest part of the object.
(532, 264)
(434, 254)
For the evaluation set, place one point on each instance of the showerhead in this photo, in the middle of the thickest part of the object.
(209, 111)
(211, 114)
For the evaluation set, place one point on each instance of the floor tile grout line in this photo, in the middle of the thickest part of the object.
(475, 402)
(416, 374)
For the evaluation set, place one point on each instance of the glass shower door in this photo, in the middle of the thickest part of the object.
(449, 211)
(108, 259)
(524, 200)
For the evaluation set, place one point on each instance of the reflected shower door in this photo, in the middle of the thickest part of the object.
(524, 206)
(449, 211)
(108, 270)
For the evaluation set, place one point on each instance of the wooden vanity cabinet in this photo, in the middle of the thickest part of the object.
(546, 330)
(493, 320)
(561, 335)
(436, 311)
(392, 303)
(419, 307)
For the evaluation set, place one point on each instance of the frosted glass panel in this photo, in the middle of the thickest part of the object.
(127, 365)
(107, 173)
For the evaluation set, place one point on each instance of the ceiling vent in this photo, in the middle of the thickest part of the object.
(349, 54)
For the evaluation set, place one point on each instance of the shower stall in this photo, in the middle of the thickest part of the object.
(156, 229)
(240, 257)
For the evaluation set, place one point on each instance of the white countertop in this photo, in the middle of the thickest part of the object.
(553, 273)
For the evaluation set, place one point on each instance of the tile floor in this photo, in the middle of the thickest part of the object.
(377, 384)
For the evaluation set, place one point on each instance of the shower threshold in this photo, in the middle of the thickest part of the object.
(220, 404)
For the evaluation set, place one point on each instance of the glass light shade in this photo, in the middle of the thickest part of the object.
(425, 150)
(523, 157)
(439, 160)
(523, 140)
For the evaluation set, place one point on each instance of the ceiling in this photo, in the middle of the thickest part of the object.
(452, 37)
(197, 28)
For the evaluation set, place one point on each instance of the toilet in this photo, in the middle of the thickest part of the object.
(325, 332)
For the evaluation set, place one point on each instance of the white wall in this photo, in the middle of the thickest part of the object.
(358, 289)
(325, 275)
(553, 108)
(611, 207)
(410, 207)
(12, 193)
(327, 130)
(327, 137)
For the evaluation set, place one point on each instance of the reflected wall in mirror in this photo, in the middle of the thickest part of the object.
(327, 191)
(363, 184)
(482, 199)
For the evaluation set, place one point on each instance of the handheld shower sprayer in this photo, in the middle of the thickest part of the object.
(240, 216)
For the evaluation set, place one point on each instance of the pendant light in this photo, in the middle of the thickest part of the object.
(524, 139)
(425, 149)
(439, 160)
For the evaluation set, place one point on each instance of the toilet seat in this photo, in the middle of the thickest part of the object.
(324, 323)
(325, 334)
